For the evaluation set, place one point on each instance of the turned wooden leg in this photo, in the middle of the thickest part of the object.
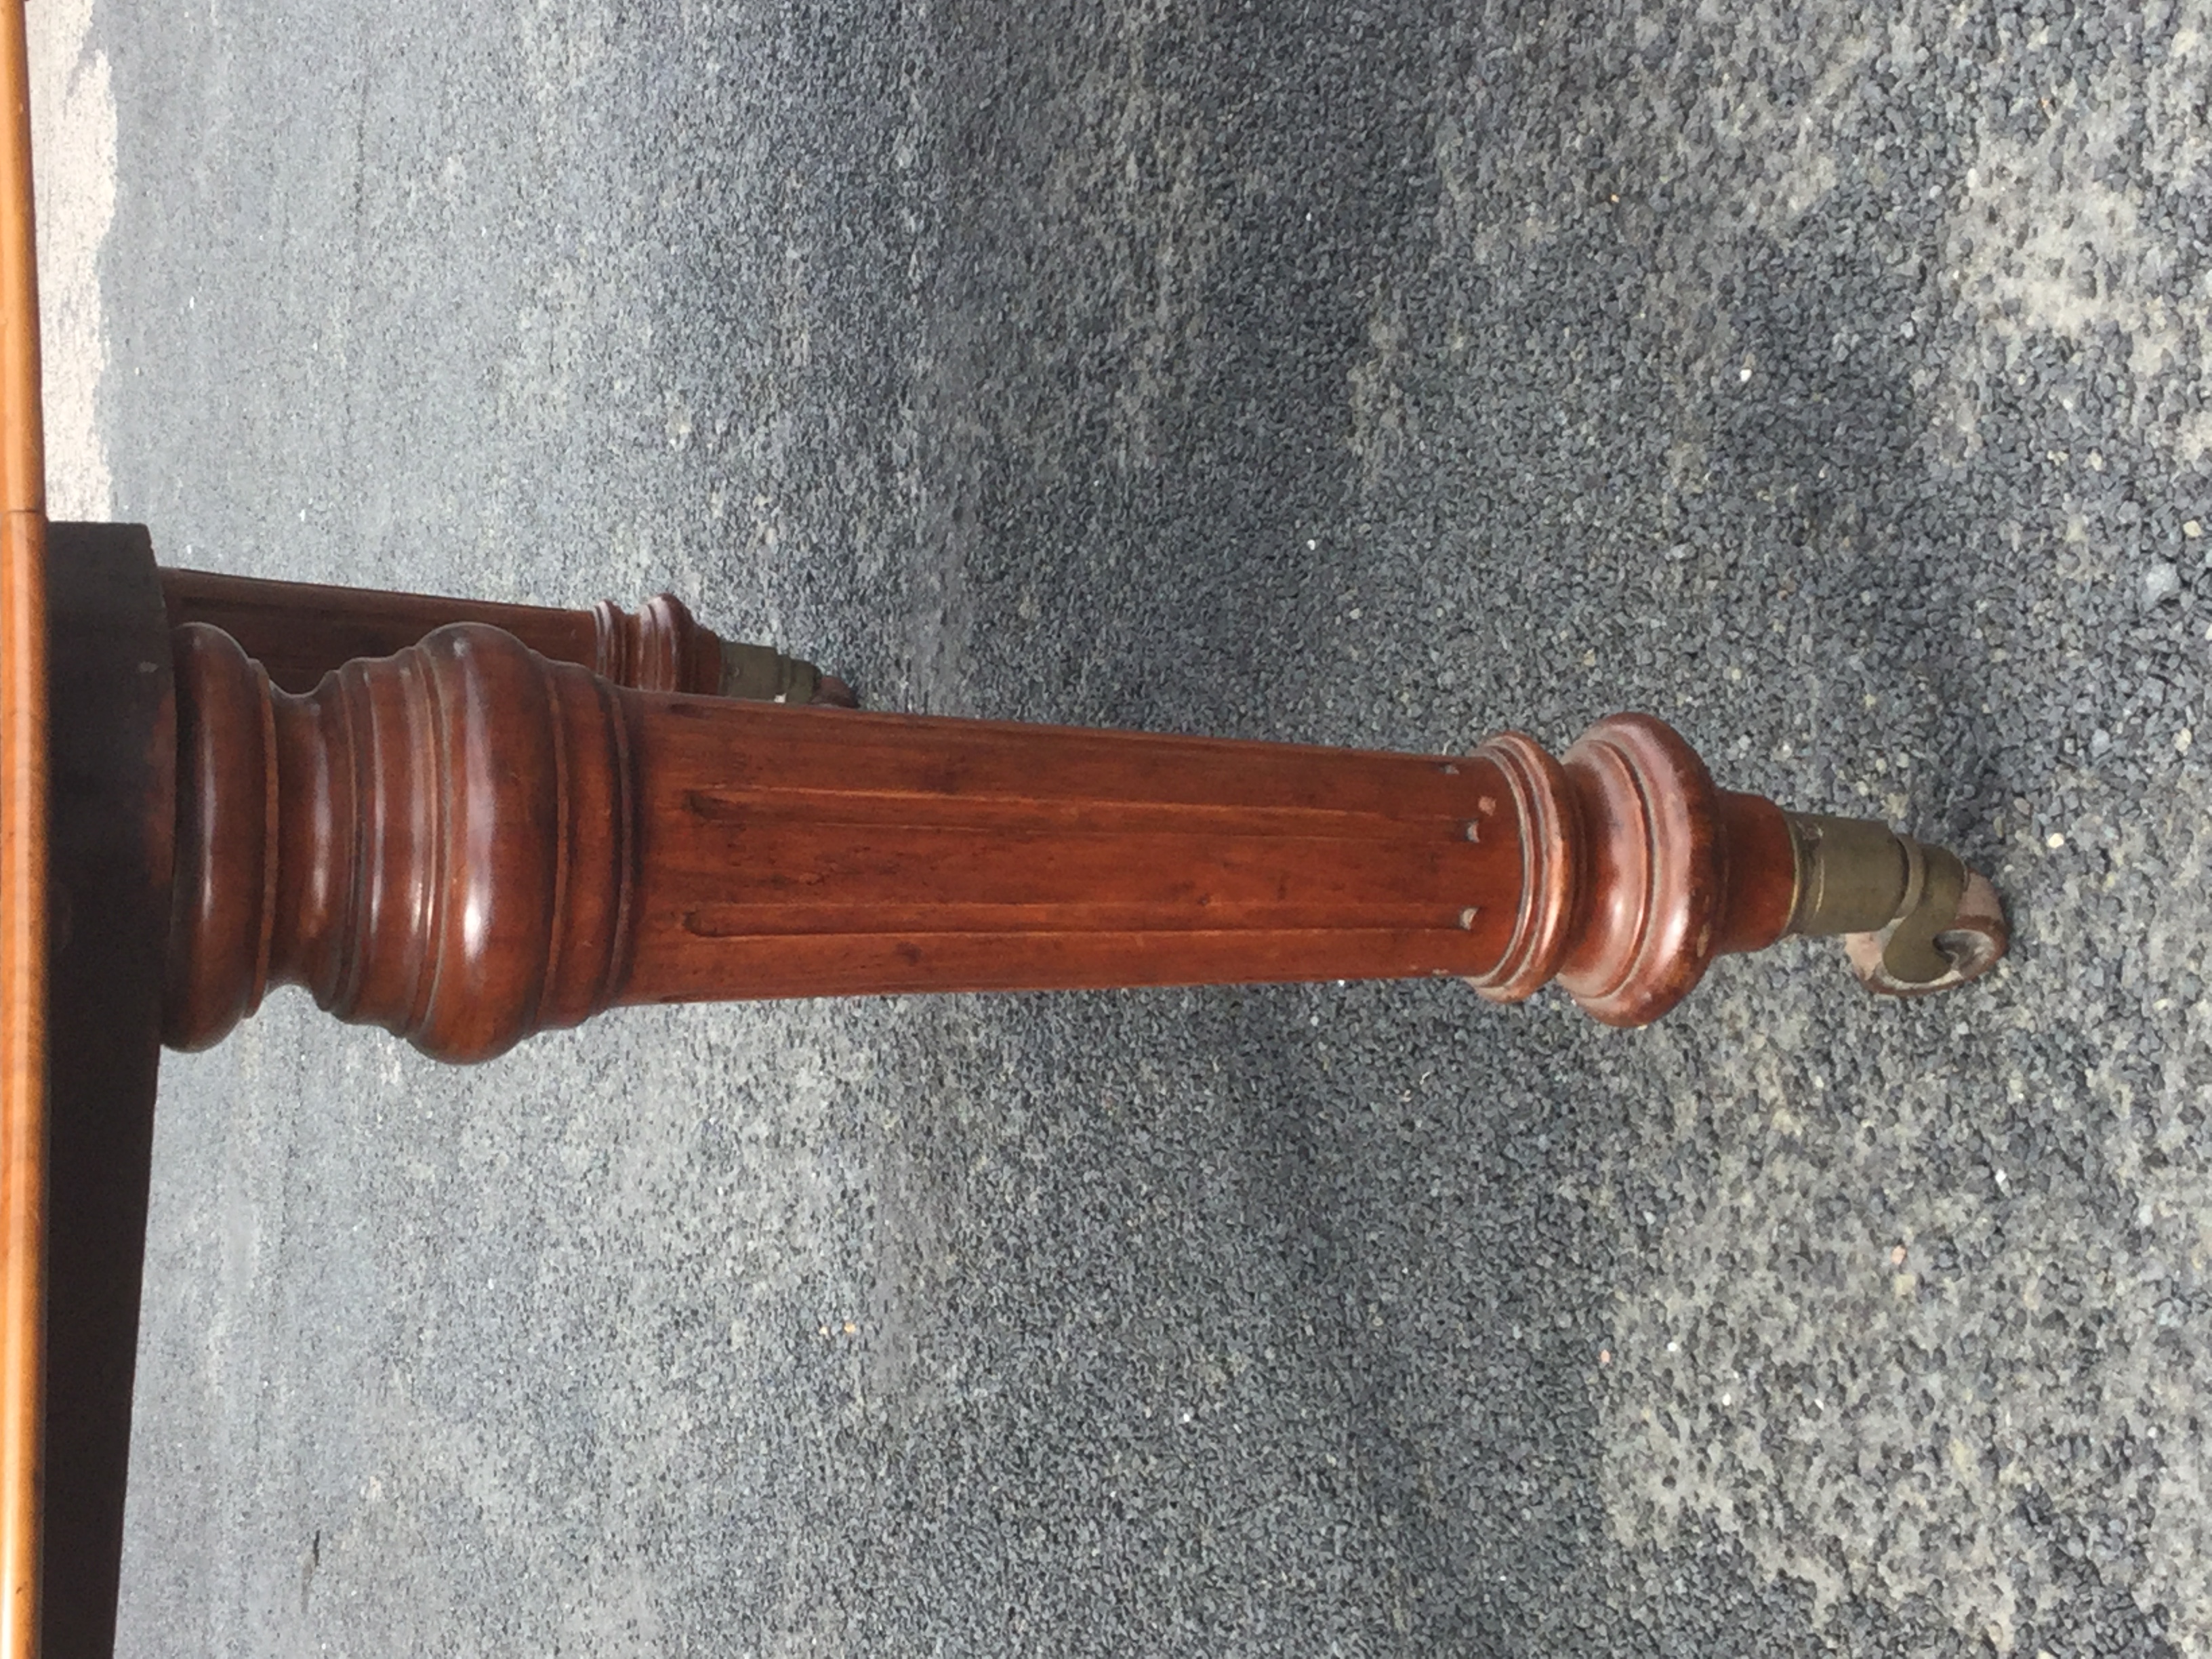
(300, 631)
(466, 842)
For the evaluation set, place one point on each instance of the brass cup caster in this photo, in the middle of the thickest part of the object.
(1913, 918)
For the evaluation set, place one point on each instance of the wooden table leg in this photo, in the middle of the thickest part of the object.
(465, 842)
(300, 631)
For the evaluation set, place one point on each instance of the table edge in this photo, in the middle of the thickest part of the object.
(23, 893)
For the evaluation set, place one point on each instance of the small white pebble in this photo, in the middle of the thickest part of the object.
(1674, 1347)
(1742, 374)
(2182, 739)
(2054, 840)
(2096, 460)
(1728, 1400)
(2192, 528)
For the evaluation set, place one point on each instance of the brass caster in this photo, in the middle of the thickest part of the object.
(1917, 954)
(1913, 918)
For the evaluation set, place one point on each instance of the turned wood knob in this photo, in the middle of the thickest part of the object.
(441, 843)
(1635, 871)
(658, 647)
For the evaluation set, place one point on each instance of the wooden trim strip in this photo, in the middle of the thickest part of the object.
(23, 432)
(23, 816)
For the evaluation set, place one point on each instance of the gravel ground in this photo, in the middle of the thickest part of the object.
(1828, 379)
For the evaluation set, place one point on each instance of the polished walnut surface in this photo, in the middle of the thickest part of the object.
(465, 842)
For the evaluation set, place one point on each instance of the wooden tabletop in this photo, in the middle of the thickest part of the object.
(23, 808)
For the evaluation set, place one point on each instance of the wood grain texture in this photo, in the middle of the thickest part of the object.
(797, 853)
(23, 899)
(437, 841)
(22, 430)
(1635, 871)
(465, 842)
(300, 631)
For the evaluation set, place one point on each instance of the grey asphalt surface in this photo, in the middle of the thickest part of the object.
(1828, 379)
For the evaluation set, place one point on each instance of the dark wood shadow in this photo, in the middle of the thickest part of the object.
(113, 830)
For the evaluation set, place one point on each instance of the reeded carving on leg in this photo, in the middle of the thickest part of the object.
(442, 842)
(465, 843)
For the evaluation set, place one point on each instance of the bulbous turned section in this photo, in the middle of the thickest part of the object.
(659, 647)
(442, 841)
(465, 843)
(1636, 872)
